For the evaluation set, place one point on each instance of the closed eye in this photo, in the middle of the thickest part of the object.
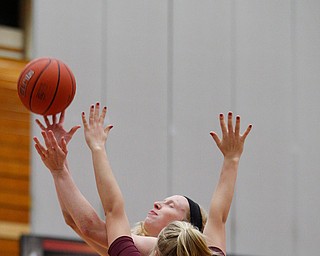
(170, 204)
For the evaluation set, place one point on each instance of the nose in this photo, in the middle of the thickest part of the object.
(157, 205)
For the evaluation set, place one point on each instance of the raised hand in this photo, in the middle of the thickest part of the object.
(57, 127)
(232, 142)
(231, 146)
(94, 131)
(52, 155)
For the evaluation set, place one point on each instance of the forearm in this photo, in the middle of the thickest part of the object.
(64, 210)
(117, 223)
(78, 209)
(108, 189)
(223, 195)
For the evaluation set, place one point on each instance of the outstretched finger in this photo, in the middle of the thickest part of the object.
(53, 141)
(247, 131)
(61, 118)
(108, 128)
(54, 119)
(42, 127)
(230, 125)
(237, 127)
(40, 152)
(37, 142)
(215, 137)
(91, 115)
(223, 125)
(96, 111)
(103, 115)
(64, 145)
(46, 120)
(84, 120)
(46, 139)
(73, 130)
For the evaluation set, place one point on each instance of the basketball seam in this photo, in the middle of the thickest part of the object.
(32, 91)
(55, 93)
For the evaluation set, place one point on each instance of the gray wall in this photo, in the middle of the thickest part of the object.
(166, 69)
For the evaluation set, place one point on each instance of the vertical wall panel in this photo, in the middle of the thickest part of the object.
(137, 96)
(263, 93)
(201, 89)
(308, 123)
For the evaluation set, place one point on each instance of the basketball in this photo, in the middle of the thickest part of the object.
(46, 86)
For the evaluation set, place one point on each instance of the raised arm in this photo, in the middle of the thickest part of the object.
(77, 211)
(231, 146)
(96, 135)
(56, 126)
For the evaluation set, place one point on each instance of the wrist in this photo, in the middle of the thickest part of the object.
(59, 172)
(97, 149)
(232, 159)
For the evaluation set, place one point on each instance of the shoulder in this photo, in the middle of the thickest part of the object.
(145, 244)
(123, 246)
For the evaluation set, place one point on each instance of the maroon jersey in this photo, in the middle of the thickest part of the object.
(123, 246)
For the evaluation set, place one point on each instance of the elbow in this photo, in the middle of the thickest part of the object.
(85, 229)
(221, 218)
(115, 208)
(90, 225)
(218, 217)
(69, 220)
(224, 220)
(115, 205)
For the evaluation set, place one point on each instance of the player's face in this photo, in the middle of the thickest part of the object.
(170, 209)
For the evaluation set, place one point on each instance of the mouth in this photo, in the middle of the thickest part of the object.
(152, 213)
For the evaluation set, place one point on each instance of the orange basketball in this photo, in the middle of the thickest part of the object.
(46, 86)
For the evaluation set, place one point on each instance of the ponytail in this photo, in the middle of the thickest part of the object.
(180, 238)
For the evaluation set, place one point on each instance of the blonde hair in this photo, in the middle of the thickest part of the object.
(180, 238)
(138, 228)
